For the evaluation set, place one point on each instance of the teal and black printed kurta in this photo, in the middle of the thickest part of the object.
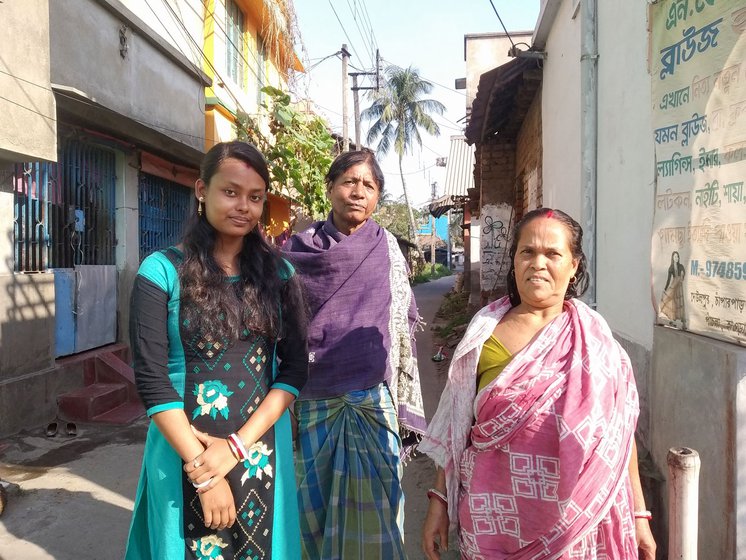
(219, 385)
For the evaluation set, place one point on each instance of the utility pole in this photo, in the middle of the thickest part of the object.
(356, 108)
(450, 247)
(345, 133)
(432, 231)
(356, 99)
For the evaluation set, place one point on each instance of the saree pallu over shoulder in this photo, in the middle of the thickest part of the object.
(364, 316)
(543, 461)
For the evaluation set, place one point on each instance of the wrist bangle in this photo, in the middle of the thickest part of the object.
(202, 484)
(435, 493)
(644, 514)
(233, 449)
(243, 455)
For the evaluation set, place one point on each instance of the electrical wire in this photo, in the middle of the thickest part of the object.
(390, 63)
(26, 81)
(370, 24)
(368, 45)
(208, 62)
(175, 42)
(344, 30)
(501, 23)
(310, 68)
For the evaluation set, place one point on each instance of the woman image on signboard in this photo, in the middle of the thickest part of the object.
(672, 301)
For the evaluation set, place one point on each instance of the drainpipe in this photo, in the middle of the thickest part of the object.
(683, 503)
(589, 138)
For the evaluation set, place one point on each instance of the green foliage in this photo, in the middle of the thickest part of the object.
(455, 308)
(455, 229)
(394, 217)
(299, 152)
(426, 274)
(398, 113)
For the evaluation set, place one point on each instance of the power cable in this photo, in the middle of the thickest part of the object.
(501, 23)
(26, 81)
(22, 106)
(370, 24)
(207, 60)
(344, 30)
(367, 44)
(310, 68)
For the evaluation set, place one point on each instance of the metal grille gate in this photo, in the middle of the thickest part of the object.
(164, 208)
(64, 212)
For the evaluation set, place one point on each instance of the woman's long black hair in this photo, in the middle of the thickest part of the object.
(577, 287)
(230, 310)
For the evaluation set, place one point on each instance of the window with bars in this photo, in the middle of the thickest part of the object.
(64, 212)
(164, 209)
(234, 30)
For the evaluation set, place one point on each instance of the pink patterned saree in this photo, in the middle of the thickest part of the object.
(538, 460)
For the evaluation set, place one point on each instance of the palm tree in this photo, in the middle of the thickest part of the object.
(399, 113)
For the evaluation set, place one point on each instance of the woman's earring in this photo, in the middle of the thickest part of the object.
(573, 280)
(200, 200)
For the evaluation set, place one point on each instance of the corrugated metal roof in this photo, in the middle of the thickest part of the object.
(459, 176)
(460, 167)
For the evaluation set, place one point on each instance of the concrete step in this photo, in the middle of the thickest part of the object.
(111, 368)
(84, 404)
(123, 414)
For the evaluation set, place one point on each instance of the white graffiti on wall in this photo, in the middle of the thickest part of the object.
(495, 226)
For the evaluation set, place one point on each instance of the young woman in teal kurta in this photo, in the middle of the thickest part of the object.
(219, 344)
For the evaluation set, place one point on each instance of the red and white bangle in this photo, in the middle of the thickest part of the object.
(645, 514)
(237, 447)
(435, 493)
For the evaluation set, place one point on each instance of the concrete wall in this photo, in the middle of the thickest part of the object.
(244, 96)
(128, 237)
(560, 107)
(485, 51)
(7, 256)
(28, 383)
(626, 172)
(28, 128)
(626, 183)
(178, 22)
(697, 392)
(26, 323)
(147, 84)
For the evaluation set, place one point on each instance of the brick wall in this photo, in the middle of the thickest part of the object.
(494, 171)
(529, 178)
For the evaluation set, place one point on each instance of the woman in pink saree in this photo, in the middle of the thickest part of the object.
(534, 434)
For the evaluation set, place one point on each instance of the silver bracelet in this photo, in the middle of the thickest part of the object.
(202, 484)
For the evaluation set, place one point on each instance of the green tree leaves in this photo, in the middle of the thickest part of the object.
(298, 150)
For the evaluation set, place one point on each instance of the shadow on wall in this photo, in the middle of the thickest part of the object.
(26, 320)
(26, 345)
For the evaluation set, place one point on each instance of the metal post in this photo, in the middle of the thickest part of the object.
(356, 108)
(683, 503)
(432, 232)
(450, 248)
(345, 133)
(589, 131)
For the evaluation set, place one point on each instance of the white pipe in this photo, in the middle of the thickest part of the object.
(683, 503)
(589, 155)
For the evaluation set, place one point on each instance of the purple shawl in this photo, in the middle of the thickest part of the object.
(360, 302)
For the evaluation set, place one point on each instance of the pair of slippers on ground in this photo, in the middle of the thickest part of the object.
(70, 429)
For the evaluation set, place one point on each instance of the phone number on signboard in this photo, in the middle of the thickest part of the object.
(719, 269)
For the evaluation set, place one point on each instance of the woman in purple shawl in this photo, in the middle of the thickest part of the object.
(361, 410)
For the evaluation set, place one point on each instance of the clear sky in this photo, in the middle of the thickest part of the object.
(428, 35)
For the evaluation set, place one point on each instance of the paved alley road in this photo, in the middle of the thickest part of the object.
(77, 492)
(418, 474)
